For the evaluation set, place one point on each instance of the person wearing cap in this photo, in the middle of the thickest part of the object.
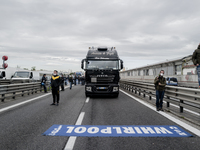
(196, 61)
(55, 84)
(43, 82)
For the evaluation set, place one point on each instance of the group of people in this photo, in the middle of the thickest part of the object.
(73, 80)
(159, 82)
(56, 82)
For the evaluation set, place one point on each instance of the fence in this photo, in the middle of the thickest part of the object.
(12, 81)
(13, 90)
(182, 97)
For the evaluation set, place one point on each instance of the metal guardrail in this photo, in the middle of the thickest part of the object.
(182, 97)
(13, 90)
(12, 81)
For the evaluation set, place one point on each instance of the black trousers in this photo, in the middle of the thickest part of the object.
(62, 87)
(45, 89)
(56, 95)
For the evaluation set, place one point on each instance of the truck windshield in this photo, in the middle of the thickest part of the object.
(103, 64)
(21, 75)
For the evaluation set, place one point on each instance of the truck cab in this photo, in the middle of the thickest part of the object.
(102, 66)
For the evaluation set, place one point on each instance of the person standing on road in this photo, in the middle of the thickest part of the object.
(75, 79)
(196, 61)
(160, 83)
(70, 81)
(62, 82)
(79, 79)
(43, 82)
(55, 84)
(82, 80)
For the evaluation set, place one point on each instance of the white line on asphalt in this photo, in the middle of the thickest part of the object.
(72, 139)
(87, 100)
(80, 118)
(181, 123)
(27, 101)
(30, 100)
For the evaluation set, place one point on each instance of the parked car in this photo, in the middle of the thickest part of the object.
(172, 81)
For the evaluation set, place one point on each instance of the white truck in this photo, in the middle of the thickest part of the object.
(8, 72)
(30, 75)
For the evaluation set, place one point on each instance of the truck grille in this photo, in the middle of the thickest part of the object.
(105, 79)
(102, 78)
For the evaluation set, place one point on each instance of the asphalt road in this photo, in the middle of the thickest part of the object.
(22, 126)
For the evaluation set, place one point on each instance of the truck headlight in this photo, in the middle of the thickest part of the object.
(89, 88)
(115, 89)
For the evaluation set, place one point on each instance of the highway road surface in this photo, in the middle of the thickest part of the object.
(23, 122)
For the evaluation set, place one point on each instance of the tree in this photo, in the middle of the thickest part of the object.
(33, 68)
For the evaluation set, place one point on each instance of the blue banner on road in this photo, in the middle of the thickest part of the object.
(116, 131)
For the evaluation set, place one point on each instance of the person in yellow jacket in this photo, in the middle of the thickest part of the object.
(55, 84)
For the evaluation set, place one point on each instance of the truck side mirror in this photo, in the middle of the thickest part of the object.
(122, 64)
(82, 64)
(3, 74)
(31, 76)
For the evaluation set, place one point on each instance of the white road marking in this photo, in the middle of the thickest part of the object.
(72, 139)
(30, 100)
(80, 118)
(27, 101)
(181, 123)
(87, 100)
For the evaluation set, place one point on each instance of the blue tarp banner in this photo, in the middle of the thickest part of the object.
(116, 131)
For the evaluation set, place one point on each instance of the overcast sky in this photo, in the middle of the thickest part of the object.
(56, 34)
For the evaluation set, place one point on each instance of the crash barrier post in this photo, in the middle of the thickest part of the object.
(183, 97)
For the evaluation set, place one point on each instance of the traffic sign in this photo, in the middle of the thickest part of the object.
(5, 58)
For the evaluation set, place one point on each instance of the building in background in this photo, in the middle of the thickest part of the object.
(180, 68)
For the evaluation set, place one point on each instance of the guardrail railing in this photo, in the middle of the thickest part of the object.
(182, 97)
(13, 90)
(12, 81)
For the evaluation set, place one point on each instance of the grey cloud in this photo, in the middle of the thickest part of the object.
(148, 30)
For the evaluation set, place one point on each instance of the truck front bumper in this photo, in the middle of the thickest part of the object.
(102, 89)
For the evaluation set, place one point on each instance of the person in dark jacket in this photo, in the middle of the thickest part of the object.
(43, 82)
(62, 82)
(160, 83)
(79, 79)
(75, 79)
(82, 80)
(55, 84)
(196, 61)
(70, 81)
